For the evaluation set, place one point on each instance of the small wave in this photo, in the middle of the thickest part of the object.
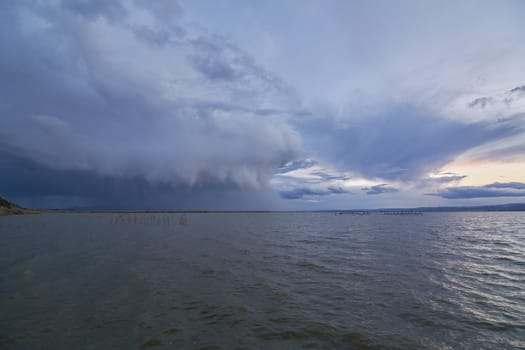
(309, 241)
(210, 347)
(282, 335)
(317, 331)
(310, 266)
(509, 259)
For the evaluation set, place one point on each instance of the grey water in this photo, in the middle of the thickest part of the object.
(263, 281)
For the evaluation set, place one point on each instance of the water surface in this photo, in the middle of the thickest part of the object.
(263, 281)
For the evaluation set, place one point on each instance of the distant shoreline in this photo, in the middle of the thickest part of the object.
(4, 211)
(22, 211)
(9, 208)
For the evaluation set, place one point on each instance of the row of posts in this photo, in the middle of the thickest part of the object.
(149, 219)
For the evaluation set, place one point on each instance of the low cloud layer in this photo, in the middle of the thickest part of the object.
(497, 189)
(379, 189)
(312, 192)
(296, 165)
(307, 179)
(36, 185)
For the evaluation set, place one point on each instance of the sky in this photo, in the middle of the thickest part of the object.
(261, 105)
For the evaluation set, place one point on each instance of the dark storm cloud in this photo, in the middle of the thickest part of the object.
(323, 176)
(214, 67)
(517, 89)
(449, 178)
(90, 100)
(167, 12)
(152, 36)
(212, 62)
(301, 192)
(515, 119)
(92, 9)
(235, 72)
(501, 100)
(379, 189)
(481, 102)
(514, 185)
(497, 189)
(296, 165)
(402, 143)
(36, 185)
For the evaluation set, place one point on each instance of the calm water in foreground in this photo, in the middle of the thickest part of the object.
(263, 281)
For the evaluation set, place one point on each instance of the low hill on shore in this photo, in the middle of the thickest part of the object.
(9, 208)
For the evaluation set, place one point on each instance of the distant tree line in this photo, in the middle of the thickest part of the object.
(5, 203)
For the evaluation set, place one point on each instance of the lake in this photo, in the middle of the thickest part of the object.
(263, 281)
